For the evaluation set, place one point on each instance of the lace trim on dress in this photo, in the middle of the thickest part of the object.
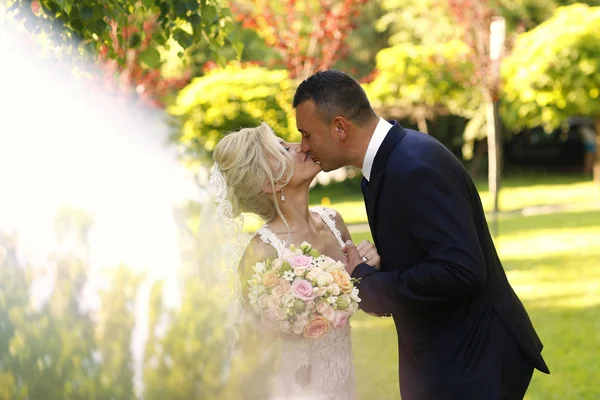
(328, 216)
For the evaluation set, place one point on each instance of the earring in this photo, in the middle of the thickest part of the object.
(282, 195)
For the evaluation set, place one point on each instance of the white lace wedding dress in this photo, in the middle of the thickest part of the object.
(315, 369)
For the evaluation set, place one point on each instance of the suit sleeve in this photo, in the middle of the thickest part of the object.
(439, 215)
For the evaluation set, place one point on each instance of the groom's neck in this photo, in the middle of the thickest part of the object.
(360, 141)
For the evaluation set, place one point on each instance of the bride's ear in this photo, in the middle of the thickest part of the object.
(268, 188)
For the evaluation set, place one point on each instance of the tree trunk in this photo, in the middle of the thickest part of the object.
(597, 156)
(494, 157)
(480, 151)
(422, 124)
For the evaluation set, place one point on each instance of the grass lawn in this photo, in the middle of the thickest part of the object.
(519, 191)
(553, 263)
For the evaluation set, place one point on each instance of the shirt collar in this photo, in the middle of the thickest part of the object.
(379, 135)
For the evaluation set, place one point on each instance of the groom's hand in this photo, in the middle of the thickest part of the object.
(352, 256)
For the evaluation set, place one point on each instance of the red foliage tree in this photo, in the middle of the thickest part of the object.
(474, 18)
(309, 35)
(147, 82)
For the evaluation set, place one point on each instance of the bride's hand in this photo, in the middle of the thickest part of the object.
(368, 253)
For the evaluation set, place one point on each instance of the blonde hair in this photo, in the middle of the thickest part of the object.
(249, 159)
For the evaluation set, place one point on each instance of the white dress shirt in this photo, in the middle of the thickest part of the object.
(381, 131)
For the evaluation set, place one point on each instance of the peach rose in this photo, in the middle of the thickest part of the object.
(342, 279)
(270, 278)
(316, 328)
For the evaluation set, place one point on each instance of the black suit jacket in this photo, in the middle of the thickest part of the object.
(462, 331)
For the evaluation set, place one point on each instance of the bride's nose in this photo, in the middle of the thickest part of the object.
(296, 147)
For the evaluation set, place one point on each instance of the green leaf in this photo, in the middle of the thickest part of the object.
(135, 40)
(195, 20)
(159, 38)
(150, 57)
(192, 5)
(86, 13)
(209, 13)
(98, 27)
(183, 38)
(239, 49)
(180, 9)
(148, 3)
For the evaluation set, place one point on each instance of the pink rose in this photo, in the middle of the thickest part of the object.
(341, 319)
(302, 290)
(316, 328)
(300, 261)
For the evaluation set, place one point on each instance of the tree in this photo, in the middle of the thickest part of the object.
(115, 321)
(226, 99)
(553, 72)
(49, 348)
(193, 350)
(422, 81)
(133, 38)
(308, 35)
(418, 22)
(475, 18)
(95, 24)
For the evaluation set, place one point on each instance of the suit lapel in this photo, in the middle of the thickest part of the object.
(394, 136)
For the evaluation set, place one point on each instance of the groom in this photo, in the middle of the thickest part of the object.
(463, 333)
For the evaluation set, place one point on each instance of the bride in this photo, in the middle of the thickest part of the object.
(270, 178)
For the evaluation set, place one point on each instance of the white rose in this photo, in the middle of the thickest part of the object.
(280, 314)
(278, 291)
(273, 303)
(354, 295)
(332, 299)
(287, 300)
(299, 271)
(298, 329)
(321, 307)
(285, 326)
(302, 320)
(333, 289)
(263, 301)
(353, 308)
(324, 279)
(329, 313)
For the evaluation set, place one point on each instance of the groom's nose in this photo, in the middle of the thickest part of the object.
(304, 147)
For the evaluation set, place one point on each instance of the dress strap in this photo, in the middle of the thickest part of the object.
(328, 216)
(269, 237)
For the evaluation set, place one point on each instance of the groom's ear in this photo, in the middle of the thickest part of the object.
(340, 126)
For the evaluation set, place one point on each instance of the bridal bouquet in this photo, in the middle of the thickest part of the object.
(303, 293)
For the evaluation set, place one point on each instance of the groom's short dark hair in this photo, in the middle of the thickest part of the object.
(335, 93)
